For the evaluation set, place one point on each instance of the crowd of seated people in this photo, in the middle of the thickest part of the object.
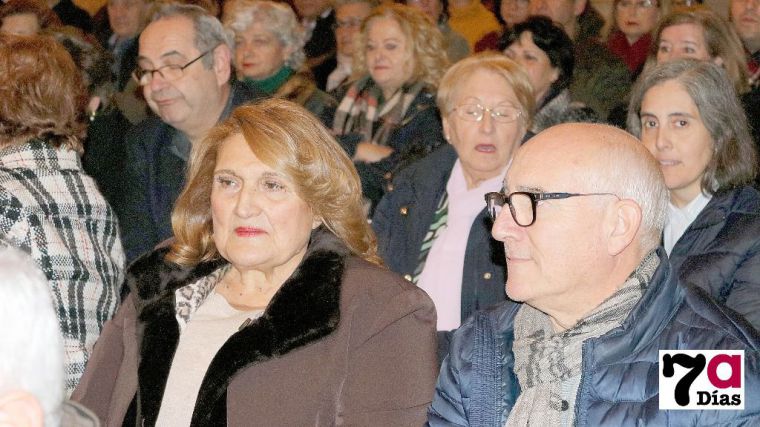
(234, 202)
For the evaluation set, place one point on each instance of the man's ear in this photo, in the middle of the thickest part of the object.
(222, 64)
(623, 223)
(22, 409)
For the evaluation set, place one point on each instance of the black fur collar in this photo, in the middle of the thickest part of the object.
(287, 323)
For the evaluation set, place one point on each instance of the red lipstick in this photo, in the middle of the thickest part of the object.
(248, 231)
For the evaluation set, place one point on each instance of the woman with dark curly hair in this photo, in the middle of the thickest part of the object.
(48, 206)
(547, 54)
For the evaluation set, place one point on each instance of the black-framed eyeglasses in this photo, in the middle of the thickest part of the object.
(522, 204)
(169, 72)
(474, 112)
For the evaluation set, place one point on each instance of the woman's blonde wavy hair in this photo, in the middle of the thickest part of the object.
(424, 38)
(289, 139)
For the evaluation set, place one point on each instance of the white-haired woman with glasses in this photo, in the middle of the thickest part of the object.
(269, 54)
(433, 227)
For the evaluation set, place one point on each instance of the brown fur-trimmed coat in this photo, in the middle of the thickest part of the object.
(343, 342)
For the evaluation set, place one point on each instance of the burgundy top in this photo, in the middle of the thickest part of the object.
(489, 42)
(633, 55)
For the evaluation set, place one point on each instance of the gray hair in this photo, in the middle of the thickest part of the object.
(276, 18)
(31, 357)
(733, 163)
(209, 32)
(630, 171)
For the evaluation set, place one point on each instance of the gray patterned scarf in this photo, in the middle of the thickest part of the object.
(361, 110)
(545, 359)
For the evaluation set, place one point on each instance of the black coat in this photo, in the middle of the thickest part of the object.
(419, 133)
(71, 14)
(720, 252)
(320, 49)
(403, 217)
(104, 157)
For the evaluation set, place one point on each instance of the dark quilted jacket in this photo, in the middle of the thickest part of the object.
(720, 252)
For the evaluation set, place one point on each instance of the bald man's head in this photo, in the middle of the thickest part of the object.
(598, 158)
(586, 204)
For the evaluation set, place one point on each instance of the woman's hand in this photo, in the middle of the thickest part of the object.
(370, 153)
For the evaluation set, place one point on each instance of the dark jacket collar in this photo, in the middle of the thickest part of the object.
(742, 200)
(645, 322)
(287, 323)
(240, 94)
(647, 319)
(432, 173)
(656, 310)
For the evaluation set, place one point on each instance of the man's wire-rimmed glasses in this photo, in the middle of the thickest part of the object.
(522, 204)
(474, 112)
(169, 72)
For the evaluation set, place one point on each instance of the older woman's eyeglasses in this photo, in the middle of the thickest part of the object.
(474, 113)
(169, 72)
(522, 204)
(640, 4)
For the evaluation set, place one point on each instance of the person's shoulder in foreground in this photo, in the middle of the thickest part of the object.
(598, 301)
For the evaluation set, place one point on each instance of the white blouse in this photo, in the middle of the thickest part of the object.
(679, 219)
